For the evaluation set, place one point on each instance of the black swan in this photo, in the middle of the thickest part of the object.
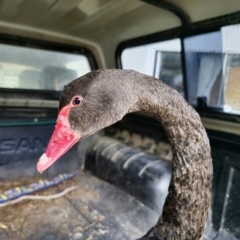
(101, 98)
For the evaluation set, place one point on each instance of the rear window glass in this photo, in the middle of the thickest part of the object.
(213, 68)
(28, 68)
(161, 60)
(204, 61)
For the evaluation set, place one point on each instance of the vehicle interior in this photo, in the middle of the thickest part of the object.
(113, 185)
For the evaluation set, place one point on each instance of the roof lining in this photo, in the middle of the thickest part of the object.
(182, 15)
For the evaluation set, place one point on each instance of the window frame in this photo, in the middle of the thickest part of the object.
(33, 43)
(201, 27)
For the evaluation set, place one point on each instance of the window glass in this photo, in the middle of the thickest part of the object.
(161, 60)
(213, 68)
(231, 51)
(204, 68)
(28, 68)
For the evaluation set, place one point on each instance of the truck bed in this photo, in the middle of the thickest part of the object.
(122, 183)
(95, 210)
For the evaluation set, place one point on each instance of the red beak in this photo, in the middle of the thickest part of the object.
(63, 138)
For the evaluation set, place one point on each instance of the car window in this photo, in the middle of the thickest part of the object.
(29, 68)
(161, 60)
(213, 68)
(204, 60)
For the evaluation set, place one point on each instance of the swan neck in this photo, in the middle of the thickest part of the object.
(186, 207)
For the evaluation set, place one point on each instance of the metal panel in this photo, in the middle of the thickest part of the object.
(58, 10)
(30, 11)
(9, 9)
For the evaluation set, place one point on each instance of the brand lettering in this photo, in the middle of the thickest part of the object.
(11, 146)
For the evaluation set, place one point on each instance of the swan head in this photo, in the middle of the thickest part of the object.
(88, 104)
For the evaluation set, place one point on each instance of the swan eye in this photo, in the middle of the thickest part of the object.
(77, 101)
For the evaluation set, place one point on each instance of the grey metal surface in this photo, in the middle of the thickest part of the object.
(143, 175)
(96, 210)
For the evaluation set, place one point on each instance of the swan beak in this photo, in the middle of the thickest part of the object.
(63, 138)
